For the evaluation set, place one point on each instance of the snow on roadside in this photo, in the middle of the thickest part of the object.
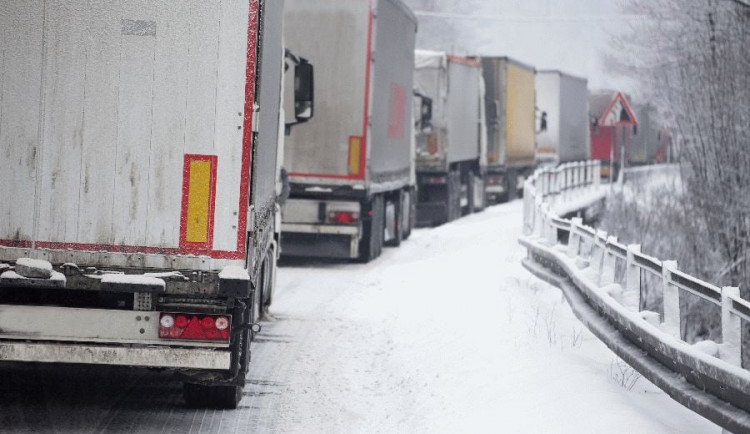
(449, 333)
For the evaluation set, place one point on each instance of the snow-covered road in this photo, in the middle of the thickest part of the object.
(447, 333)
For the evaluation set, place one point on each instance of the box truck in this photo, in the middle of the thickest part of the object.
(563, 106)
(511, 126)
(450, 160)
(138, 207)
(349, 169)
(612, 124)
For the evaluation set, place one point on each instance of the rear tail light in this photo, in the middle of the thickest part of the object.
(435, 180)
(494, 181)
(197, 327)
(343, 217)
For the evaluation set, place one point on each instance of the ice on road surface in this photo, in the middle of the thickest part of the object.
(450, 334)
(446, 334)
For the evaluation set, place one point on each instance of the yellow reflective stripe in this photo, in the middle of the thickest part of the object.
(199, 193)
(355, 150)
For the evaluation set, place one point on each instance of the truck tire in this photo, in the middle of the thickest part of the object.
(398, 227)
(204, 396)
(511, 182)
(469, 193)
(269, 281)
(371, 244)
(409, 207)
(454, 196)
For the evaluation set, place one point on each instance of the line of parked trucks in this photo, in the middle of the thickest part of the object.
(158, 157)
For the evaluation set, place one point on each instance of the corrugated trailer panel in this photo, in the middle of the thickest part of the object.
(463, 110)
(116, 102)
(390, 155)
(334, 36)
(20, 66)
(520, 116)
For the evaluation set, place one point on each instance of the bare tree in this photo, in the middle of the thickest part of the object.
(693, 55)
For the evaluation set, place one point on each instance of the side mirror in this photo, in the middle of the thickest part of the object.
(543, 122)
(425, 113)
(304, 93)
(304, 89)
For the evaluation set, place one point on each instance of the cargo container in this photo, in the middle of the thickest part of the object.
(611, 127)
(450, 160)
(138, 178)
(350, 168)
(511, 126)
(563, 106)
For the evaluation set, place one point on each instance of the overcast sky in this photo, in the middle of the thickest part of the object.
(570, 35)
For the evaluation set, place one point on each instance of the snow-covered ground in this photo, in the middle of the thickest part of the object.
(448, 333)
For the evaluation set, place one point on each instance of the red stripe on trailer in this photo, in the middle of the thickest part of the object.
(368, 67)
(397, 112)
(247, 138)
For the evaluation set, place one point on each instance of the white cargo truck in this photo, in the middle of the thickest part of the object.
(137, 184)
(451, 148)
(563, 106)
(350, 168)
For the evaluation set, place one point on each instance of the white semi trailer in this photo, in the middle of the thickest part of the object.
(350, 169)
(451, 160)
(137, 184)
(563, 104)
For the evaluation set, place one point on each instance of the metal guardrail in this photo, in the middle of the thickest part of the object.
(610, 277)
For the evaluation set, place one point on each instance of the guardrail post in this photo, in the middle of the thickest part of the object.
(581, 174)
(597, 252)
(607, 274)
(632, 296)
(597, 174)
(551, 231)
(730, 349)
(574, 239)
(671, 293)
(538, 217)
(528, 206)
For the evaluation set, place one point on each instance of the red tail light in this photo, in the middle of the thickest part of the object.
(435, 180)
(343, 217)
(194, 327)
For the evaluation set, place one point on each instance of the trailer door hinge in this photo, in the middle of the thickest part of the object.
(256, 113)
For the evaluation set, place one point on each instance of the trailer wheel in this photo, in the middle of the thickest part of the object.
(409, 207)
(481, 183)
(454, 196)
(203, 396)
(371, 244)
(511, 182)
(398, 223)
(469, 193)
(269, 279)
